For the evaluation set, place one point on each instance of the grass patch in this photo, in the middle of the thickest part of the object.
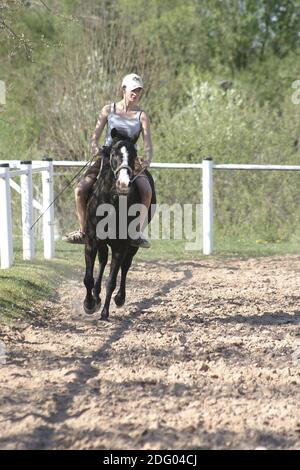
(26, 283)
(223, 247)
(246, 248)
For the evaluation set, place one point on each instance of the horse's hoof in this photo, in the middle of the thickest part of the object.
(119, 301)
(98, 304)
(90, 308)
(104, 315)
(97, 300)
(95, 294)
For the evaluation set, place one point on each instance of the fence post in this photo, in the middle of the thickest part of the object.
(48, 217)
(207, 199)
(27, 210)
(6, 244)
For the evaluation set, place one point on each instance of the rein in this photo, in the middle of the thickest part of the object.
(69, 183)
(138, 174)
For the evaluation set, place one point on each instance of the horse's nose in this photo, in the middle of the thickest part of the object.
(122, 186)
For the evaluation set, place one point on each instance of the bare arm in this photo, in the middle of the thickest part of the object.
(147, 138)
(102, 120)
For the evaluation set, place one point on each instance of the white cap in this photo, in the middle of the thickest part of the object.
(132, 81)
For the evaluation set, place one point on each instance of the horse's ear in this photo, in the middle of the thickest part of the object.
(114, 133)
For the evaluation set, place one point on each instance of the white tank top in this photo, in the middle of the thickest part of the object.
(128, 126)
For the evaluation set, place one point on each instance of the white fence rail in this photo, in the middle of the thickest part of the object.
(13, 168)
(25, 169)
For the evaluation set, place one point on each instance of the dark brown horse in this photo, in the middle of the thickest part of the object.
(108, 221)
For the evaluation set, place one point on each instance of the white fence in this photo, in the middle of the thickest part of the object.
(25, 169)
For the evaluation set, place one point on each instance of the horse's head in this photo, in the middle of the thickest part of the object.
(122, 158)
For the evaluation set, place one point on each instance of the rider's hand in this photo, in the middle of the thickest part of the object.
(96, 151)
(145, 164)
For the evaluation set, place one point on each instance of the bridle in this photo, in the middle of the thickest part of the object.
(125, 167)
(117, 170)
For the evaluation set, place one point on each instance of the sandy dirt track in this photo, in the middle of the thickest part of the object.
(204, 354)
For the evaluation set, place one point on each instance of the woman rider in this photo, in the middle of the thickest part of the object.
(128, 118)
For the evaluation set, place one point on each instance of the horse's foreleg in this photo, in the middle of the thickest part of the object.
(121, 295)
(116, 261)
(102, 256)
(89, 303)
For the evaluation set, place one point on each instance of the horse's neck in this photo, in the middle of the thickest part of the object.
(105, 184)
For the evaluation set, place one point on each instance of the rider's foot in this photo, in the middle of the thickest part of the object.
(77, 237)
(140, 242)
